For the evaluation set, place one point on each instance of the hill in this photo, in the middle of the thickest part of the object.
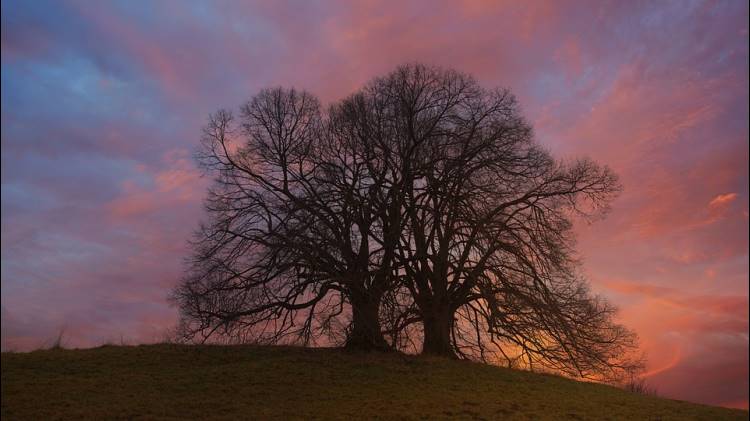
(247, 382)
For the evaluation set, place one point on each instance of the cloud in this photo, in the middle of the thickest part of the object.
(690, 335)
(175, 182)
(723, 200)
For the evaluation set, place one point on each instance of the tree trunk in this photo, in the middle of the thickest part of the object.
(437, 333)
(365, 334)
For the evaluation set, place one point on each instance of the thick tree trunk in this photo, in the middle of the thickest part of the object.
(365, 334)
(437, 333)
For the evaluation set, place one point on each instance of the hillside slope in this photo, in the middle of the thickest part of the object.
(244, 382)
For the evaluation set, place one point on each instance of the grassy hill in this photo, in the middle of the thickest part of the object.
(245, 382)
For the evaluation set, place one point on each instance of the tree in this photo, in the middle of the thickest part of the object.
(486, 250)
(292, 214)
(422, 208)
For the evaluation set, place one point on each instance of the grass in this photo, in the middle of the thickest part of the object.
(246, 382)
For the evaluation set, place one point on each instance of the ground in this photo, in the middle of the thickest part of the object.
(246, 382)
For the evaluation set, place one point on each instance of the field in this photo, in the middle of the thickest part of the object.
(246, 382)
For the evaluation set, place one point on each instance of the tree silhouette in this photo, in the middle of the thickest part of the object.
(418, 208)
(291, 217)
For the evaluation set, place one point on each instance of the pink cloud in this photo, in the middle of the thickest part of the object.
(723, 199)
(177, 181)
(686, 332)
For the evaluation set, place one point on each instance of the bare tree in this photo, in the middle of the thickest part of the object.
(242, 275)
(292, 217)
(485, 256)
(419, 209)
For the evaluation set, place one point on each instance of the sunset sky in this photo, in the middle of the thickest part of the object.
(103, 102)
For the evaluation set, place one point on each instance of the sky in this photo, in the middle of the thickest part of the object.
(103, 103)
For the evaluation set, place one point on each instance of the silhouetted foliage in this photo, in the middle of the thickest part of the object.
(420, 209)
(58, 342)
(640, 386)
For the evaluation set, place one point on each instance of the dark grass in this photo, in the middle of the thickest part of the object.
(246, 382)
